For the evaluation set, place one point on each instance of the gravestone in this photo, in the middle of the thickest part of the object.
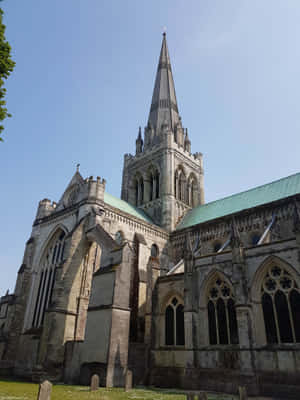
(94, 383)
(45, 390)
(243, 393)
(196, 396)
(128, 380)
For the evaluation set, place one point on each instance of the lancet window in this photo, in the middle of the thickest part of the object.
(174, 323)
(192, 191)
(222, 320)
(154, 185)
(53, 256)
(180, 187)
(281, 306)
(139, 190)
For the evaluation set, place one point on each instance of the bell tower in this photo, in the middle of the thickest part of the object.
(163, 178)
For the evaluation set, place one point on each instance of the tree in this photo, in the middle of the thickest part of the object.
(6, 67)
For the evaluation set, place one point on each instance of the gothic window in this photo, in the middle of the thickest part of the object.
(119, 238)
(154, 189)
(174, 323)
(136, 189)
(181, 187)
(157, 185)
(151, 188)
(192, 191)
(255, 239)
(141, 191)
(281, 306)
(192, 194)
(154, 251)
(222, 321)
(53, 255)
(176, 185)
(217, 246)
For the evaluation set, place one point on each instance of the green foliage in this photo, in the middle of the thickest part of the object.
(6, 67)
(16, 390)
(28, 391)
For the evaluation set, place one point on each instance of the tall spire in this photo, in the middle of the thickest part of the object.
(164, 108)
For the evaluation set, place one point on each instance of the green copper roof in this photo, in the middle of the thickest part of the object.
(264, 194)
(126, 207)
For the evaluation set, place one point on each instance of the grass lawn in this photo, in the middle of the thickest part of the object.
(12, 390)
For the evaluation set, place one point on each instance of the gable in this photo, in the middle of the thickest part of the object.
(72, 191)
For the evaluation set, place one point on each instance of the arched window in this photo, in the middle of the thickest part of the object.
(136, 192)
(141, 191)
(151, 188)
(119, 238)
(193, 194)
(174, 323)
(176, 185)
(157, 185)
(255, 239)
(222, 321)
(281, 306)
(217, 246)
(181, 187)
(154, 251)
(52, 257)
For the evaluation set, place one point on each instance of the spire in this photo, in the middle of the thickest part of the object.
(164, 104)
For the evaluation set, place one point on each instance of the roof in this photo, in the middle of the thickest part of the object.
(126, 207)
(280, 189)
(164, 108)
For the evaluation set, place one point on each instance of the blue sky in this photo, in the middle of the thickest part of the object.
(83, 84)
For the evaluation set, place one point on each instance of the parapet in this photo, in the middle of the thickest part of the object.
(96, 188)
(45, 208)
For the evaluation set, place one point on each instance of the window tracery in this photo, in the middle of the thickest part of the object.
(174, 323)
(280, 296)
(53, 256)
(222, 320)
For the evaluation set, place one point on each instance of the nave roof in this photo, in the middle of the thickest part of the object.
(268, 193)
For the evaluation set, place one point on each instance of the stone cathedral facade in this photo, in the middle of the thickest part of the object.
(182, 292)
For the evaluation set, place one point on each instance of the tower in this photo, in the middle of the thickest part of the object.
(163, 178)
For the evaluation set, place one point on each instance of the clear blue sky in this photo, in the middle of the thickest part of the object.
(83, 83)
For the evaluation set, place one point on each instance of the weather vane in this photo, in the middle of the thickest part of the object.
(164, 30)
(77, 167)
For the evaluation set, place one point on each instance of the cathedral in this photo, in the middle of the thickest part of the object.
(183, 293)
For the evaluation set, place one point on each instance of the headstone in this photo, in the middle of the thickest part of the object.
(94, 383)
(243, 393)
(190, 396)
(45, 390)
(128, 380)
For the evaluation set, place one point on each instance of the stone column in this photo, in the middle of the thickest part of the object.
(189, 311)
(153, 272)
